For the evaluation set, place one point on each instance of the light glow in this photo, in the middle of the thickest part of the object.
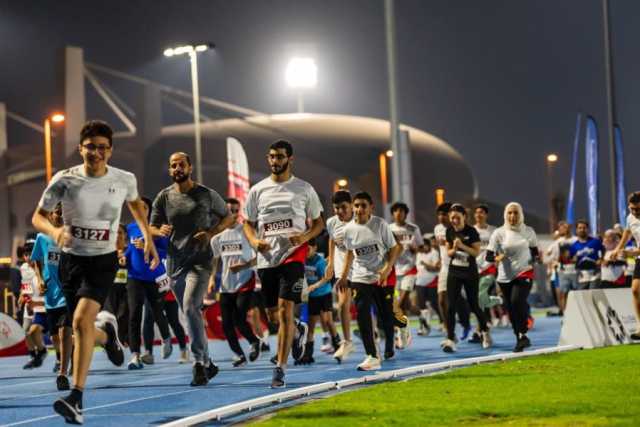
(302, 73)
(552, 158)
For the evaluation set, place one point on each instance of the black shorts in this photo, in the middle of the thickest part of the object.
(58, 318)
(636, 270)
(87, 277)
(257, 300)
(320, 304)
(284, 281)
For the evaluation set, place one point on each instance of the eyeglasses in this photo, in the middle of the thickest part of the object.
(102, 148)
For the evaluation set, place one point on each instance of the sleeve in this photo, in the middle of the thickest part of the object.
(419, 239)
(37, 254)
(494, 243)
(132, 188)
(53, 193)
(533, 239)
(215, 247)
(474, 236)
(388, 238)
(347, 240)
(218, 205)
(251, 206)
(158, 211)
(314, 207)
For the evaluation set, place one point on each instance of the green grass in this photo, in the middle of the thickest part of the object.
(580, 388)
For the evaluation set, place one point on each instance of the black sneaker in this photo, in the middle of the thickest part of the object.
(297, 347)
(70, 409)
(523, 342)
(388, 355)
(62, 382)
(274, 359)
(108, 323)
(199, 375)
(307, 357)
(335, 342)
(476, 338)
(240, 361)
(56, 367)
(211, 369)
(255, 351)
(264, 347)
(40, 356)
(30, 364)
(635, 336)
(278, 378)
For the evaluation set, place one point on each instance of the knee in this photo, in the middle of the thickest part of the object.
(635, 288)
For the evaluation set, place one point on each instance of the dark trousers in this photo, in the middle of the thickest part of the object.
(515, 294)
(429, 295)
(171, 312)
(455, 284)
(234, 308)
(138, 291)
(366, 297)
(118, 305)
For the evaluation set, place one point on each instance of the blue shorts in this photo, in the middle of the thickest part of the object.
(41, 319)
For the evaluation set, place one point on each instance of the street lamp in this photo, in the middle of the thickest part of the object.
(384, 187)
(48, 166)
(301, 74)
(192, 51)
(552, 158)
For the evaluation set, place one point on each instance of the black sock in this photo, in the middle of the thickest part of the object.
(76, 394)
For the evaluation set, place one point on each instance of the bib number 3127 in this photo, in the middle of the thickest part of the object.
(90, 234)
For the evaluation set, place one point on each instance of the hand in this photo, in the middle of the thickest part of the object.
(62, 237)
(312, 288)
(384, 273)
(298, 240)
(122, 260)
(262, 246)
(499, 258)
(457, 243)
(166, 230)
(138, 243)
(211, 287)
(43, 288)
(342, 283)
(237, 267)
(151, 252)
(202, 237)
(328, 272)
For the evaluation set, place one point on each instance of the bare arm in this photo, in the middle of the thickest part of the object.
(316, 228)
(40, 221)
(328, 272)
(212, 277)
(348, 260)
(394, 253)
(259, 245)
(137, 210)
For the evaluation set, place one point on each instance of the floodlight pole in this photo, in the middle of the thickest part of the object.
(396, 191)
(300, 101)
(193, 56)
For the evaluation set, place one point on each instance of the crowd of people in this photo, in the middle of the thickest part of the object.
(88, 280)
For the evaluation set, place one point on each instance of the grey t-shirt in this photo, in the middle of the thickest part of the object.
(199, 209)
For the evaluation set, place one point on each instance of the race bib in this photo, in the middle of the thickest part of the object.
(460, 259)
(367, 250)
(164, 283)
(278, 227)
(53, 258)
(89, 233)
(231, 249)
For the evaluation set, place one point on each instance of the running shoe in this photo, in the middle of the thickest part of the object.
(486, 340)
(523, 342)
(335, 343)
(211, 369)
(184, 356)
(56, 367)
(135, 364)
(448, 346)
(264, 347)
(307, 357)
(274, 359)
(39, 359)
(465, 333)
(239, 361)
(167, 348)
(424, 327)
(62, 383)
(278, 378)
(70, 409)
(255, 351)
(635, 336)
(407, 339)
(326, 346)
(109, 324)
(504, 321)
(398, 340)
(388, 355)
(31, 363)
(369, 363)
(343, 352)
(476, 338)
(199, 375)
(148, 359)
(297, 348)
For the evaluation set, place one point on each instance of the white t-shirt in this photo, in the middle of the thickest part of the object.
(29, 286)
(407, 235)
(515, 245)
(425, 276)
(440, 233)
(233, 248)
(370, 244)
(280, 210)
(633, 225)
(335, 228)
(485, 236)
(91, 207)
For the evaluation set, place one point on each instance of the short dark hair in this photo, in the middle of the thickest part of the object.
(183, 154)
(281, 144)
(582, 221)
(363, 195)
(482, 206)
(313, 242)
(400, 205)
(444, 207)
(634, 197)
(96, 128)
(457, 207)
(341, 196)
(20, 252)
(232, 201)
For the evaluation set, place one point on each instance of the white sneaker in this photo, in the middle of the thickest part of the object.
(448, 346)
(486, 340)
(495, 322)
(167, 348)
(343, 352)
(184, 356)
(504, 321)
(370, 363)
(399, 341)
(405, 334)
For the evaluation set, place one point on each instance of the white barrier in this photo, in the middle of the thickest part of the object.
(12, 339)
(302, 392)
(598, 318)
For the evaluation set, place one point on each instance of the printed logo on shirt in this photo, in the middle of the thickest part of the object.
(367, 250)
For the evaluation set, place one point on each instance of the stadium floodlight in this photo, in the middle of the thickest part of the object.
(192, 50)
(552, 158)
(301, 74)
(389, 153)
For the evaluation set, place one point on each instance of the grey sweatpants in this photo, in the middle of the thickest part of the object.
(190, 289)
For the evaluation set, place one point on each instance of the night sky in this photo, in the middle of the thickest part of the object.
(500, 81)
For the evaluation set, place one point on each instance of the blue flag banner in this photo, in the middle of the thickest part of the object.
(591, 157)
(620, 187)
(571, 203)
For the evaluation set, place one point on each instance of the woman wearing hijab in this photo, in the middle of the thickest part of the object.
(514, 247)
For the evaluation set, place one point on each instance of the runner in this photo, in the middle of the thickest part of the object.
(463, 246)
(190, 214)
(343, 214)
(372, 251)
(145, 285)
(35, 318)
(633, 230)
(237, 284)
(117, 302)
(171, 310)
(587, 253)
(562, 264)
(514, 248)
(428, 263)
(409, 236)
(46, 255)
(277, 210)
(92, 195)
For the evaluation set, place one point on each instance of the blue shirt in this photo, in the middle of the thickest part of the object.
(47, 254)
(137, 268)
(314, 271)
(587, 253)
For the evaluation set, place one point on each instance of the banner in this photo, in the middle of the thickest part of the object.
(238, 171)
(591, 151)
(571, 203)
(620, 187)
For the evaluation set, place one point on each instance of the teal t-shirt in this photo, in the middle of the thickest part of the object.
(314, 271)
(47, 253)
